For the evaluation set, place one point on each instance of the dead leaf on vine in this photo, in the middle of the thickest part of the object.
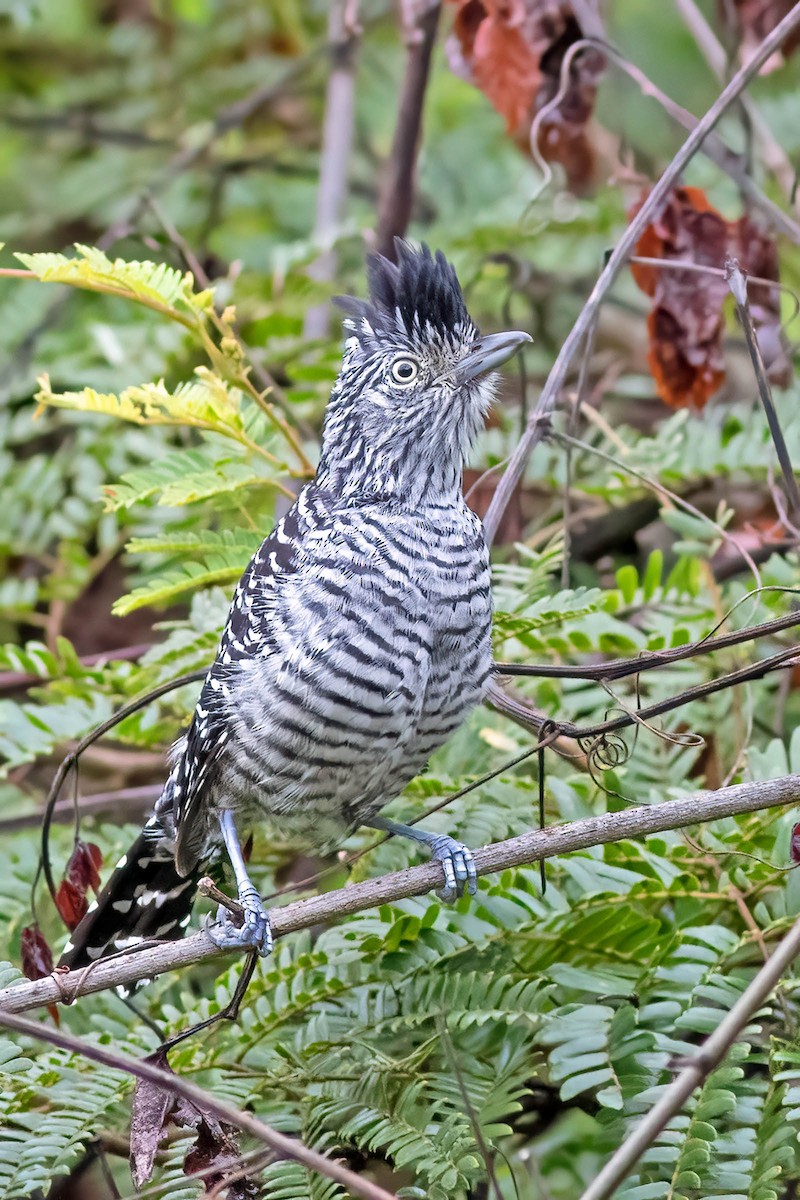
(81, 874)
(37, 957)
(794, 844)
(37, 960)
(751, 21)
(686, 323)
(513, 51)
(215, 1151)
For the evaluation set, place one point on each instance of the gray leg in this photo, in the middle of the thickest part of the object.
(255, 933)
(456, 859)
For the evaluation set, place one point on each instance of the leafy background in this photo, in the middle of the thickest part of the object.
(505, 1046)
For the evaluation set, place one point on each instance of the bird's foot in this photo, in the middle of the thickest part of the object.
(459, 867)
(254, 932)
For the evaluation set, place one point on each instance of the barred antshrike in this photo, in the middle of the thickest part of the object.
(359, 635)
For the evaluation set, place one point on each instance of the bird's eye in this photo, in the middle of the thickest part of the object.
(404, 371)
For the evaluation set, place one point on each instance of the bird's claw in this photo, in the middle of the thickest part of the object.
(458, 866)
(255, 931)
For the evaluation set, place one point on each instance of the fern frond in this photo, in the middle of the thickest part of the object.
(154, 284)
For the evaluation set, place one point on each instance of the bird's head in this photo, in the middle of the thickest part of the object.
(416, 379)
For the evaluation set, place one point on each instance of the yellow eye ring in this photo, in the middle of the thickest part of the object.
(404, 371)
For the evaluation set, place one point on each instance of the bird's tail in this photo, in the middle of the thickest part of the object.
(144, 898)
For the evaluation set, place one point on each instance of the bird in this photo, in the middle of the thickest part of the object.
(359, 635)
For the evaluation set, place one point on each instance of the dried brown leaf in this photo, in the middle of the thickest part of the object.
(686, 321)
(83, 868)
(37, 957)
(71, 903)
(513, 51)
(215, 1151)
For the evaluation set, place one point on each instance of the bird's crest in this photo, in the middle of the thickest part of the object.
(420, 291)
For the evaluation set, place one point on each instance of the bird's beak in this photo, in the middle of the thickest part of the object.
(489, 352)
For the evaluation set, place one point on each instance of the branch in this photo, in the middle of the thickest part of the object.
(738, 287)
(772, 154)
(520, 851)
(397, 193)
(337, 142)
(538, 420)
(204, 1100)
(621, 668)
(699, 1066)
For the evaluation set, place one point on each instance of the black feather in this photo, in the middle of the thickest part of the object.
(144, 898)
(420, 289)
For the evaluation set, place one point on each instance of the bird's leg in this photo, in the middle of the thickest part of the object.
(456, 859)
(255, 931)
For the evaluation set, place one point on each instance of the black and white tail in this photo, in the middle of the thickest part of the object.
(144, 898)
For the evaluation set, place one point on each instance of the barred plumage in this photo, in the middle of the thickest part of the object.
(359, 635)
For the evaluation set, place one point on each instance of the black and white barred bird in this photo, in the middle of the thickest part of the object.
(359, 636)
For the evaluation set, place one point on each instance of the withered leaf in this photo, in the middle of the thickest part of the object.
(513, 51)
(37, 957)
(71, 903)
(215, 1151)
(794, 843)
(686, 324)
(151, 1106)
(83, 868)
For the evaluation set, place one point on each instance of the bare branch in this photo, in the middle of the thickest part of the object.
(397, 193)
(699, 1066)
(337, 141)
(204, 1100)
(621, 668)
(528, 848)
(548, 398)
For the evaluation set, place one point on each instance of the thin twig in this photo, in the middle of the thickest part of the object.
(651, 660)
(548, 398)
(699, 1066)
(202, 1099)
(772, 153)
(738, 287)
(519, 851)
(714, 147)
(73, 758)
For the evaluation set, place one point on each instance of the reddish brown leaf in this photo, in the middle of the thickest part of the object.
(794, 844)
(83, 868)
(513, 51)
(71, 903)
(686, 321)
(752, 20)
(37, 957)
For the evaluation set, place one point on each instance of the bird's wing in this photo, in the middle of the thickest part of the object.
(248, 634)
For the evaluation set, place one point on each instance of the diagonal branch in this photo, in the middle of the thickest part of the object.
(205, 1101)
(538, 420)
(699, 1066)
(520, 851)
